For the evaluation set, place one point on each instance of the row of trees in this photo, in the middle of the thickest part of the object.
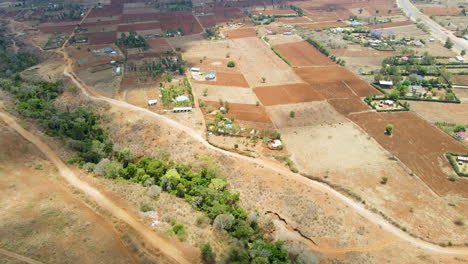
(133, 40)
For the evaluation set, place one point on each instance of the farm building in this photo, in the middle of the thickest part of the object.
(210, 76)
(460, 59)
(195, 69)
(461, 135)
(416, 89)
(182, 98)
(108, 50)
(462, 159)
(386, 84)
(152, 102)
(181, 109)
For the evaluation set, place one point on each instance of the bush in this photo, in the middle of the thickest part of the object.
(460, 221)
(144, 207)
(292, 114)
(154, 191)
(223, 222)
(231, 64)
(452, 177)
(208, 256)
(389, 129)
(384, 180)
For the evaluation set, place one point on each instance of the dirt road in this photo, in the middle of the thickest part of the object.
(13, 255)
(355, 206)
(154, 239)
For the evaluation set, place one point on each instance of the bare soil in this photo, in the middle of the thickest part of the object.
(287, 94)
(227, 79)
(303, 54)
(441, 112)
(240, 33)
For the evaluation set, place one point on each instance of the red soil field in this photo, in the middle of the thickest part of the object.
(107, 11)
(101, 23)
(221, 15)
(228, 79)
(101, 37)
(335, 77)
(245, 112)
(287, 94)
(419, 145)
(303, 54)
(325, 25)
(389, 25)
(138, 27)
(432, 10)
(293, 20)
(348, 105)
(274, 12)
(52, 29)
(334, 89)
(169, 20)
(240, 33)
(159, 45)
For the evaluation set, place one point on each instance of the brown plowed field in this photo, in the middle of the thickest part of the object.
(325, 24)
(101, 37)
(294, 20)
(245, 112)
(101, 23)
(303, 54)
(389, 25)
(228, 79)
(287, 94)
(460, 79)
(168, 20)
(440, 11)
(419, 145)
(334, 89)
(108, 11)
(240, 33)
(138, 27)
(52, 29)
(159, 45)
(335, 76)
(348, 105)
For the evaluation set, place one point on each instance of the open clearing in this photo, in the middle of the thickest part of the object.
(227, 79)
(240, 33)
(419, 145)
(441, 112)
(245, 112)
(306, 114)
(287, 94)
(226, 93)
(303, 54)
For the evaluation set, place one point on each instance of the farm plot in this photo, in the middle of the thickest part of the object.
(159, 45)
(183, 20)
(306, 114)
(294, 20)
(287, 94)
(303, 54)
(240, 33)
(98, 38)
(460, 79)
(245, 112)
(390, 25)
(48, 29)
(227, 79)
(337, 79)
(324, 25)
(271, 12)
(346, 106)
(138, 27)
(225, 93)
(419, 145)
(440, 112)
(440, 11)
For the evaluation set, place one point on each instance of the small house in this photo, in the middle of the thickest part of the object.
(386, 84)
(389, 102)
(108, 50)
(462, 159)
(459, 59)
(152, 102)
(181, 109)
(182, 98)
(210, 76)
(195, 69)
(287, 33)
(461, 135)
(416, 89)
(276, 144)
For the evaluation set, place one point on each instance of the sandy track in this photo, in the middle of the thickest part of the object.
(166, 247)
(353, 205)
(18, 257)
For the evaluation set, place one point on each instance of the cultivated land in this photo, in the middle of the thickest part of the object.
(328, 133)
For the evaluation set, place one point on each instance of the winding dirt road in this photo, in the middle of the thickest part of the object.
(153, 238)
(355, 206)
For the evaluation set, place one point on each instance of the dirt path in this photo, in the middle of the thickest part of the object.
(154, 239)
(13, 255)
(355, 206)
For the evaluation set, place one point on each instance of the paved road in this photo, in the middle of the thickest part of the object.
(437, 31)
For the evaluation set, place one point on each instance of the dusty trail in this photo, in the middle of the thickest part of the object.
(13, 255)
(355, 206)
(166, 247)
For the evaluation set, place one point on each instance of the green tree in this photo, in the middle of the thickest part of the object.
(208, 255)
(448, 44)
(389, 129)
(170, 180)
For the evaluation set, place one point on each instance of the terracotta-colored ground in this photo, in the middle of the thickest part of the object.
(324, 24)
(228, 79)
(419, 145)
(159, 45)
(240, 33)
(168, 20)
(460, 79)
(101, 37)
(57, 28)
(391, 24)
(246, 112)
(138, 27)
(303, 54)
(349, 105)
(441, 112)
(287, 94)
(336, 78)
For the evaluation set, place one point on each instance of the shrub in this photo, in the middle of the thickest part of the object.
(292, 114)
(459, 221)
(154, 191)
(208, 256)
(231, 64)
(384, 180)
(452, 177)
(144, 207)
(389, 129)
(223, 222)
